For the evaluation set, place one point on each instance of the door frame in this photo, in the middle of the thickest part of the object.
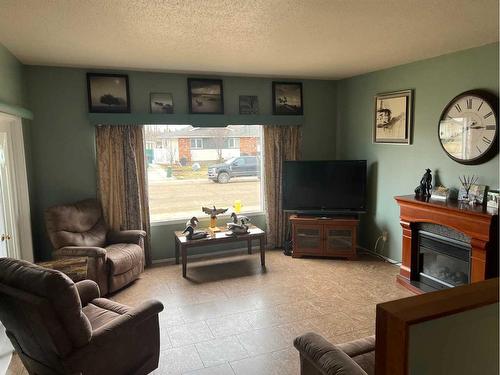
(18, 171)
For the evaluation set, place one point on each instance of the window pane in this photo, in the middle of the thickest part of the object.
(193, 167)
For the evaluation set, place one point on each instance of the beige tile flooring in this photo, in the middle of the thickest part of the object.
(232, 317)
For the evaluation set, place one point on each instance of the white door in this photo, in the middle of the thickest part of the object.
(15, 226)
(9, 236)
(15, 229)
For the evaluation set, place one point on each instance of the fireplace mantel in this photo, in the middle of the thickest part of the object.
(480, 225)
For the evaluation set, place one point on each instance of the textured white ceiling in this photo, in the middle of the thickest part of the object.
(285, 38)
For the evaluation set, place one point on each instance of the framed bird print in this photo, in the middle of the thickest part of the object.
(161, 103)
(287, 98)
(393, 117)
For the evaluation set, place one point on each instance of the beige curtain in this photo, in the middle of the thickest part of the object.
(280, 143)
(122, 179)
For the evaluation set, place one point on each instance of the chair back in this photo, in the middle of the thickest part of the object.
(78, 224)
(42, 313)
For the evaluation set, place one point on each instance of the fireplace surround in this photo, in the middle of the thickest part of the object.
(446, 244)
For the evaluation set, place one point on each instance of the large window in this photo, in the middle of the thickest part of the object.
(193, 167)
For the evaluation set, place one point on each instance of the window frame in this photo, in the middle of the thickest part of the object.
(253, 213)
(196, 143)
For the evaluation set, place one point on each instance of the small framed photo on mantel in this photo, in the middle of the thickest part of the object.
(393, 117)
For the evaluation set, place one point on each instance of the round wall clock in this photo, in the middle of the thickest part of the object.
(468, 127)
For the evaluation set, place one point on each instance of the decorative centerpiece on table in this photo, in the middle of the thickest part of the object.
(213, 212)
(192, 233)
(239, 225)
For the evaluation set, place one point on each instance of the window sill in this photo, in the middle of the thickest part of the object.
(223, 217)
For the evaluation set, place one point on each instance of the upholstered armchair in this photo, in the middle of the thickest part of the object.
(59, 327)
(320, 357)
(78, 230)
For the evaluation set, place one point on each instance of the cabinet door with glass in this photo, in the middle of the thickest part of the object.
(340, 240)
(308, 238)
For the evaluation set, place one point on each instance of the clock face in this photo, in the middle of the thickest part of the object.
(468, 127)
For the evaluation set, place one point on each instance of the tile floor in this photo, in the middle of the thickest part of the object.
(232, 317)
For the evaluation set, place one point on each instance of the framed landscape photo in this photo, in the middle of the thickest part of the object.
(108, 93)
(287, 98)
(249, 105)
(161, 103)
(392, 117)
(205, 96)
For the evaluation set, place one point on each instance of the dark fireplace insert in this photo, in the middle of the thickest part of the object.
(443, 262)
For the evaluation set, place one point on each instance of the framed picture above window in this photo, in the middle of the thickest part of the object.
(161, 103)
(249, 105)
(287, 98)
(108, 93)
(393, 117)
(205, 96)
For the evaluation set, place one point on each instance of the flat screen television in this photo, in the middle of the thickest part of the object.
(324, 187)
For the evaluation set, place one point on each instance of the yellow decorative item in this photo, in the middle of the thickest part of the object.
(213, 221)
(237, 206)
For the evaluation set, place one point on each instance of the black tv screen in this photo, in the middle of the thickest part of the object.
(324, 186)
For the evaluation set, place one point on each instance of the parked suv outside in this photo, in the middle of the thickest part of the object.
(241, 166)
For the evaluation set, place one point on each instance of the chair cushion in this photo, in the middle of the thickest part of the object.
(98, 316)
(362, 351)
(78, 224)
(122, 257)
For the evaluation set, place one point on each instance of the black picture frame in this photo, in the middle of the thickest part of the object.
(280, 99)
(161, 103)
(249, 105)
(117, 94)
(393, 117)
(203, 102)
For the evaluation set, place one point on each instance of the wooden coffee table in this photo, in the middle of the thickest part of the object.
(182, 244)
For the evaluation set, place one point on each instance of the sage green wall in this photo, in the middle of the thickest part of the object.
(11, 79)
(62, 134)
(437, 347)
(397, 169)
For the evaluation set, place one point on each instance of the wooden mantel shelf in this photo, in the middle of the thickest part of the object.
(476, 222)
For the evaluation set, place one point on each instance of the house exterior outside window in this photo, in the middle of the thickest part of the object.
(181, 162)
(197, 143)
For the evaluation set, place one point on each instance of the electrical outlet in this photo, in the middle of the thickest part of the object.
(384, 235)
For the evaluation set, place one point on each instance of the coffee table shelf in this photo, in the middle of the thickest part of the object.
(182, 244)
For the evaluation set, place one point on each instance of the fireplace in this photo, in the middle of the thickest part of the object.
(443, 262)
(446, 244)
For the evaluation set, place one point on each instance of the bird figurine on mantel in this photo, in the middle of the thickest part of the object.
(192, 233)
(213, 212)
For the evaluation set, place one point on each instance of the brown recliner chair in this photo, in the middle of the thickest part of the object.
(320, 357)
(59, 327)
(78, 230)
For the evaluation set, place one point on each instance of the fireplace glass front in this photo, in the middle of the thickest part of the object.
(443, 262)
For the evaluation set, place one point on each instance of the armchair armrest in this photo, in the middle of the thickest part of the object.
(80, 251)
(88, 291)
(126, 236)
(135, 316)
(324, 357)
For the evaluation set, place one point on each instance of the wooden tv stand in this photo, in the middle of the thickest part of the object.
(326, 237)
